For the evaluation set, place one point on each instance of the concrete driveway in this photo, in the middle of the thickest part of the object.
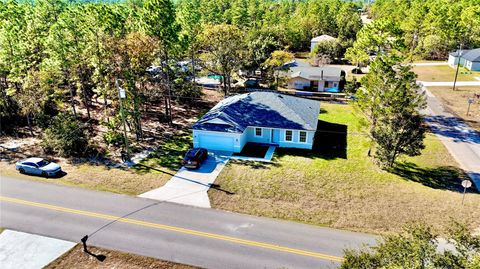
(29, 251)
(190, 187)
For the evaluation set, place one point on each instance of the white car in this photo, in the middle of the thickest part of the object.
(38, 166)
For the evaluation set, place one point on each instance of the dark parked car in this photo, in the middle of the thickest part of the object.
(194, 158)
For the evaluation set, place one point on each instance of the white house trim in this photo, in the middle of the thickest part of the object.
(217, 121)
(218, 132)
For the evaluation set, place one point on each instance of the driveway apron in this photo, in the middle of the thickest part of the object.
(190, 187)
(20, 250)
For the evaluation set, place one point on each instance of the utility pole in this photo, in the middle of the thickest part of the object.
(276, 78)
(121, 96)
(168, 98)
(459, 54)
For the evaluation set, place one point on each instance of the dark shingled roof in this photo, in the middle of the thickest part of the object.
(261, 109)
(455, 53)
(472, 55)
(469, 55)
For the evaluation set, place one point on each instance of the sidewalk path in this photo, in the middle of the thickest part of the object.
(462, 142)
(449, 83)
(29, 251)
(189, 187)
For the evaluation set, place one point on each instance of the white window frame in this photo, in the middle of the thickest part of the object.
(255, 131)
(300, 135)
(291, 140)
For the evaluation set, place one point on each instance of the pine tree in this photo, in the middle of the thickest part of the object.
(390, 99)
(159, 21)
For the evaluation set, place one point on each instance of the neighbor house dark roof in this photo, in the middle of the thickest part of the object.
(455, 53)
(472, 55)
(261, 109)
(469, 55)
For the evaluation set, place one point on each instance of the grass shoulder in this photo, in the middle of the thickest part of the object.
(151, 173)
(76, 258)
(442, 73)
(96, 177)
(456, 102)
(350, 192)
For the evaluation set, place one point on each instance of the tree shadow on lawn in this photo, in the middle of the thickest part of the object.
(254, 164)
(329, 142)
(146, 168)
(443, 177)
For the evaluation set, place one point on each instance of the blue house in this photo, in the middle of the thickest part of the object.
(470, 59)
(259, 117)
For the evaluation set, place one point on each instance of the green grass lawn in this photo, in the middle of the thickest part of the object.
(444, 73)
(167, 158)
(349, 193)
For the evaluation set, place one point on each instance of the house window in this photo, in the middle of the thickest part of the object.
(288, 135)
(258, 131)
(303, 137)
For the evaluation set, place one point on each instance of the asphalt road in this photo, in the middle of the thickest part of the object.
(202, 237)
(462, 141)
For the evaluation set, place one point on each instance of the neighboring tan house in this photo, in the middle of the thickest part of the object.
(470, 59)
(315, 78)
(258, 117)
(318, 39)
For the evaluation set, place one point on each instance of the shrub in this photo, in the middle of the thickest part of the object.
(113, 136)
(187, 92)
(416, 247)
(352, 86)
(65, 136)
